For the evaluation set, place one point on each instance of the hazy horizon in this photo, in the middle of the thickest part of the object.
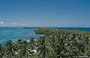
(44, 13)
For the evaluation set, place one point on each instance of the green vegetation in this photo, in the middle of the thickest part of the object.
(57, 44)
(30, 27)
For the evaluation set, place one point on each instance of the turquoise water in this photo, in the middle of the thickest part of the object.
(16, 33)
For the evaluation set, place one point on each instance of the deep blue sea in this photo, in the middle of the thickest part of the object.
(16, 33)
(72, 28)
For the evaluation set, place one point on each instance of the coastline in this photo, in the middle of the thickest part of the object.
(46, 31)
(57, 41)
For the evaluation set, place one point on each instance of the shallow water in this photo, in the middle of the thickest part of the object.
(16, 33)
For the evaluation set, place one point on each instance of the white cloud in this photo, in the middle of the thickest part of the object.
(12, 24)
(16, 24)
(1, 22)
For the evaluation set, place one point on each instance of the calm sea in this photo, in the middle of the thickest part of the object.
(72, 28)
(16, 33)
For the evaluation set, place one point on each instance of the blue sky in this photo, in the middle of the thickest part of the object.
(45, 13)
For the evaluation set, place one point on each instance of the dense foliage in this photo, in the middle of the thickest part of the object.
(57, 44)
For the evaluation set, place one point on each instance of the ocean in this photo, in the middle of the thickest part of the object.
(72, 28)
(16, 33)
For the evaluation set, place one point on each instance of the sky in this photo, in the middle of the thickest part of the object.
(44, 13)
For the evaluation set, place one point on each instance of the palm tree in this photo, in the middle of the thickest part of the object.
(1, 51)
(24, 50)
(19, 43)
(19, 47)
(42, 48)
(9, 49)
(32, 43)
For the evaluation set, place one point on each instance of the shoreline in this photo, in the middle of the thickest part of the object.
(46, 30)
(63, 40)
